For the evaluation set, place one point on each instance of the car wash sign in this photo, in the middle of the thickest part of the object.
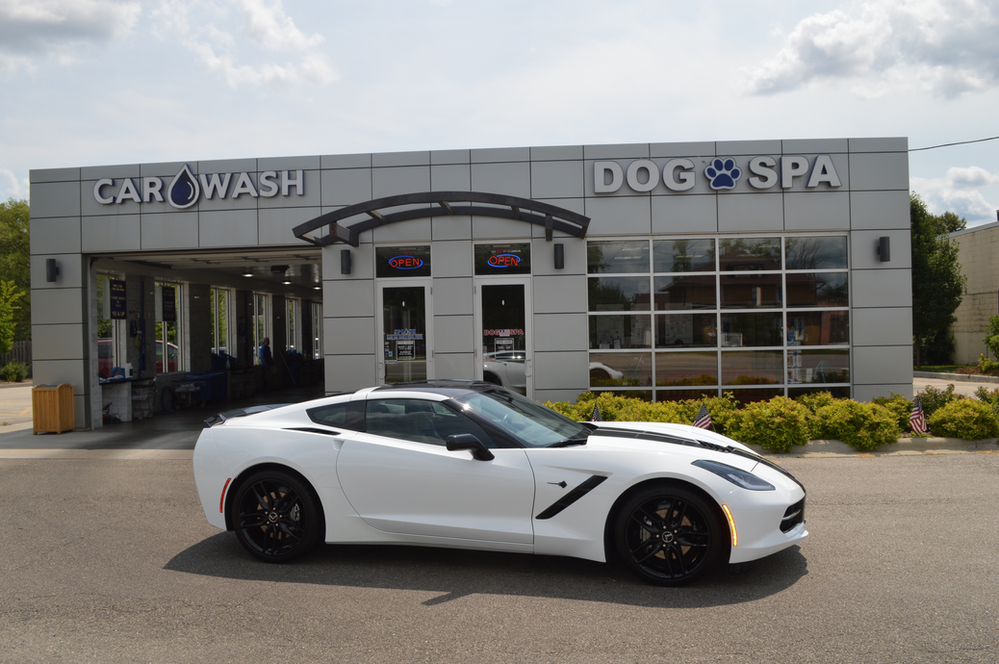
(721, 173)
(187, 188)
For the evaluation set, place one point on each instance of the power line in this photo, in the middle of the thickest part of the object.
(947, 145)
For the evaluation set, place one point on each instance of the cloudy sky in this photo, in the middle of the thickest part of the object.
(92, 82)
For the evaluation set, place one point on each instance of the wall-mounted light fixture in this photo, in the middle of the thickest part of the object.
(345, 261)
(884, 249)
(51, 270)
(559, 256)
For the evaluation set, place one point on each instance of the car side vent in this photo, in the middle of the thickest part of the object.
(793, 515)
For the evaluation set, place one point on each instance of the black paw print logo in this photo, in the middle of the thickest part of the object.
(723, 173)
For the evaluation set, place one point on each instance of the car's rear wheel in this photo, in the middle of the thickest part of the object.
(276, 517)
(668, 535)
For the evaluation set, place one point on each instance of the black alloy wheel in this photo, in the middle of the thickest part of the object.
(276, 516)
(668, 535)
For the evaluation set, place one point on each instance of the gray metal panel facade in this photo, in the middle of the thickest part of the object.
(871, 201)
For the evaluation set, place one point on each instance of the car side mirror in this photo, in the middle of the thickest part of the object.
(466, 441)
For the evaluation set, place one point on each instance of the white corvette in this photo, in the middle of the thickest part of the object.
(472, 465)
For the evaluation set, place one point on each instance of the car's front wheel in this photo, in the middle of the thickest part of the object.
(276, 517)
(668, 535)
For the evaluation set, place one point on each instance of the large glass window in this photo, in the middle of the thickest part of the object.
(684, 255)
(752, 329)
(696, 368)
(112, 328)
(617, 257)
(816, 253)
(749, 254)
(620, 332)
(220, 304)
(402, 261)
(168, 352)
(317, 330)
(619, 293)
(817, 289)
(727, 314)
(261, 322)
(751, 291)
(676, 293)
(503, 259)
(293, 324)
(686, 330)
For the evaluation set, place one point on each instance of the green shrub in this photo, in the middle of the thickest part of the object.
(900, 406)
(815, 400)
(722, 409)
(14, 372)
(778, 424)
(990, 397)
(617, 408)
(987, 365)
(967, 418)
(934, 399)
(864, 426)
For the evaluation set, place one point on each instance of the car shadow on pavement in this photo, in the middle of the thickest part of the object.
(454, 573)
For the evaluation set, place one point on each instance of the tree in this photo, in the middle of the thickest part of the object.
(15, 259)
(9, 296)
(937, 282)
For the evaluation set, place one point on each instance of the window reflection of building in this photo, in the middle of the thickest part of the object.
(729, 314)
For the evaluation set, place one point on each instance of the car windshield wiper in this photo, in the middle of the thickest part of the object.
(579, 439)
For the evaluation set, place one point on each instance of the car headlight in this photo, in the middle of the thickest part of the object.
(735, 475)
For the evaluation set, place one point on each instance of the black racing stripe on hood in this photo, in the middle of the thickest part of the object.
(689, 442)
(645, 435)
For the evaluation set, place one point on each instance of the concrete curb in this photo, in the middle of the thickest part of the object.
(904, 446)
(966, 378)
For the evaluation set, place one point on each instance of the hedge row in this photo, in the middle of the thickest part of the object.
(781, 423)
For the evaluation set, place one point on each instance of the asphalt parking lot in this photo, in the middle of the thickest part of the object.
(111, 560)
(107, 557)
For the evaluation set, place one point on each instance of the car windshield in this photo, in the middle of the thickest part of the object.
(528, 421)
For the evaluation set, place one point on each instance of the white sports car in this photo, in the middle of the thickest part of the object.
(472, 465)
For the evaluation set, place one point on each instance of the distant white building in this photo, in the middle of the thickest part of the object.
(978, 254)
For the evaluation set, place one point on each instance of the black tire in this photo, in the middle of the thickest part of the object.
(668, 535)
(492, 378)
(276, 517)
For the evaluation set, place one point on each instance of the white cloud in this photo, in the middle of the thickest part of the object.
(267, 24)
(52, 28)
(959, 191)
(11, 186)
(231, 49)
(947, 47)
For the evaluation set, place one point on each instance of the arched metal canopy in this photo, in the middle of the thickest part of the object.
(443, 203)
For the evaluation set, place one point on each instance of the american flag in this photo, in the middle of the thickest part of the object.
(917, 420)
(595, 417)
(703, 419)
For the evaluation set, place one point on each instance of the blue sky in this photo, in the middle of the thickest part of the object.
(92, 82)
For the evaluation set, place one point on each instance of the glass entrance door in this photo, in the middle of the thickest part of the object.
(404, 335)
(504, 335)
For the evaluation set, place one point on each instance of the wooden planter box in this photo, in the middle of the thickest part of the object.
(52, 408)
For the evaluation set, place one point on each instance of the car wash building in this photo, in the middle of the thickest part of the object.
(658, 270)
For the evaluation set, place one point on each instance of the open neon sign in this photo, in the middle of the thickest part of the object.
(504, 261)
(405, 262)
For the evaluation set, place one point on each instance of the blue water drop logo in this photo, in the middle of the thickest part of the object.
(184, 190)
